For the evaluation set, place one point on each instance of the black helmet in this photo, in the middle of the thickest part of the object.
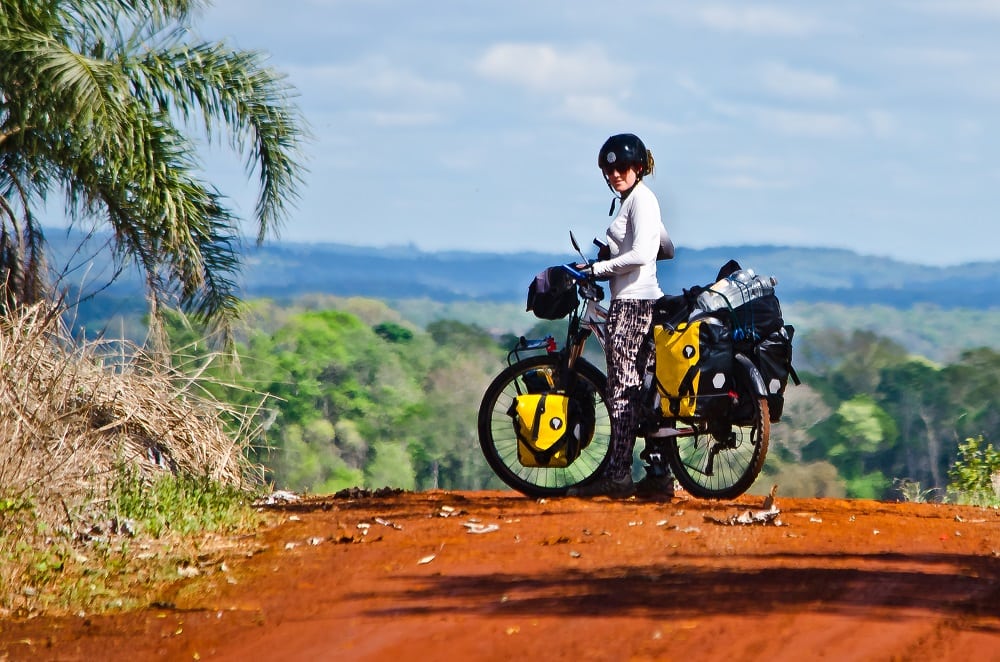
(625, 149)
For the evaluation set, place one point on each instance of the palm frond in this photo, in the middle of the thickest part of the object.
(94, 98)
(253, 102)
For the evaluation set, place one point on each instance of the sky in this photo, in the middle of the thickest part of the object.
(475, 125)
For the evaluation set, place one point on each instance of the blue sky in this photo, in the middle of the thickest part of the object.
(475, 125)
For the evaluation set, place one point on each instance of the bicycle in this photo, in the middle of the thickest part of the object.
(715, 451)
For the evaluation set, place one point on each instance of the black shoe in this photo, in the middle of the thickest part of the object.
(655, 486)
(604, 486)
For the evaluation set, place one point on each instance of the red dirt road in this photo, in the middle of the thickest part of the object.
(497, 576)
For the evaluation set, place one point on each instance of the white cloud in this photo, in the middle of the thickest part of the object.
(763, 21)
(595, 110)
(883, 124)
(934, 57)
(377, 77)
(543, 68)
(805, 123)
(747, 163)
(971, 129)
(752, 173)
(747, 182)
(799, 83)
(979, 9)
(403, 119)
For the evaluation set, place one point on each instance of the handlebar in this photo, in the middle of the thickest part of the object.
(576, 273)
(586, 281)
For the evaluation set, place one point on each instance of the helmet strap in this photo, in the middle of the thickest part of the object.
(619, 198)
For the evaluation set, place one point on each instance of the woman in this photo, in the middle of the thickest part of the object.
(636, 238)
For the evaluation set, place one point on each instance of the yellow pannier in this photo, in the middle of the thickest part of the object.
(548, 434)
(694, 362)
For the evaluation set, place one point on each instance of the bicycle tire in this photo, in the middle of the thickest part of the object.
(499, 441)
(710, 468)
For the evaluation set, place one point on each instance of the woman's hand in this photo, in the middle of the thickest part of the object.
(603, 250)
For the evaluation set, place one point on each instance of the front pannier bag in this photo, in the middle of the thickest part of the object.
(548, 429)
(552, 294)
(694, 368)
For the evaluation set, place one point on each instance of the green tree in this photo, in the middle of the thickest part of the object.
(443, 429)
(369, 401)
(851, 363)
(391, 466)
(100, 101)
(973, 394)
(307, 461)
(916, 397)
(458, 334)
(853, 439)
(339, 391)
(393, 332)
(803, 410)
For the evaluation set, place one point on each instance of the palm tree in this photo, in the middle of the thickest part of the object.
(98, 99)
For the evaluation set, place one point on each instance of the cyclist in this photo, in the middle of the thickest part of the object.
(635, 239)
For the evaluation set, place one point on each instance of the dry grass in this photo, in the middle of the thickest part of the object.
(71, 415)
(77, 418)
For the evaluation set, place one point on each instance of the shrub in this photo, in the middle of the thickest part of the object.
(974, 474)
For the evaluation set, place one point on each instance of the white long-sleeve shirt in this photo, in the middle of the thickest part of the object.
(634, 239)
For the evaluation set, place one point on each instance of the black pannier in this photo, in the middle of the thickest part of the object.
(755, 329)
(552, 294)
(774, 360)
(670, 310)
(757, 319)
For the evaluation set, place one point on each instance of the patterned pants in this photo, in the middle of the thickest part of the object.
(628, 356)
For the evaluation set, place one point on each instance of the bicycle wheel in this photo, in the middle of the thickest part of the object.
(721, 461)
(498, 439)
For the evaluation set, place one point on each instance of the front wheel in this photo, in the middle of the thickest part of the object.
(498, 438)
(721, 460)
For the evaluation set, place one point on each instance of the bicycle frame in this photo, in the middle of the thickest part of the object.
(593, 321)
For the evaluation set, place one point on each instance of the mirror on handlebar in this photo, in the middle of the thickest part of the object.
(583, 258)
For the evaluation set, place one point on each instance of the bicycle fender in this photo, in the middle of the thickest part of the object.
(756, 380)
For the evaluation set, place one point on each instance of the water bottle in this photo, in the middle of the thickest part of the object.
(726, 293)
(711, 300)
(735, 290)
(761, 286)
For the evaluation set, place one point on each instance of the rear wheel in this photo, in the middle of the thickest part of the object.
(721, 461)
(499, 440)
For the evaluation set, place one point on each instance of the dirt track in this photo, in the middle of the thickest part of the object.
(496, 576)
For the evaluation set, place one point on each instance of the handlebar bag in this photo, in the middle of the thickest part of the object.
(552, 294)
(548, 429)
(694, 368)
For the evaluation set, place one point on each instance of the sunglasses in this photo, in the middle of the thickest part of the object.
(620, 169)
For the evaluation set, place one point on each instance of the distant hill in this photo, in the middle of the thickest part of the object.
(285, 270)
(804, 274)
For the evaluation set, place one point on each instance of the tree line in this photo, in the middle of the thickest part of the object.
(358, 396)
